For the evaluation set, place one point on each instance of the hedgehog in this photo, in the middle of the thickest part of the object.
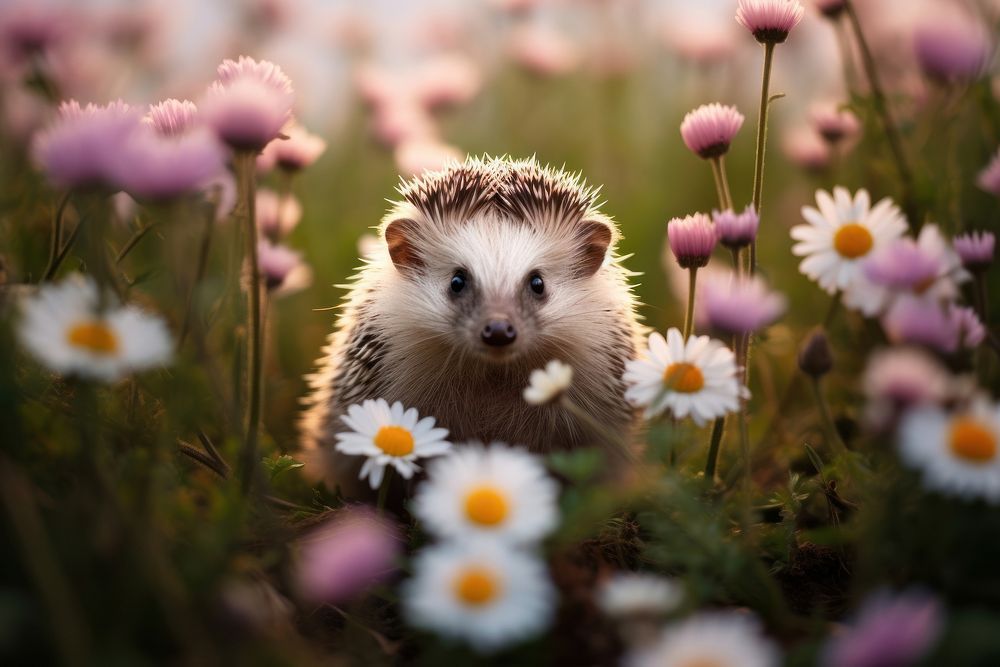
(485, 271)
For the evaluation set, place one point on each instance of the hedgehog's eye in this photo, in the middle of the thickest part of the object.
(458, 282)
(536, 283)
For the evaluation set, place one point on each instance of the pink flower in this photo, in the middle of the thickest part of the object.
(989, 177)
(32, 27)
(736, 230)
(446, 81)
(346, 556)
(416, 156)
(927, 267)
(897, 378)
(769, 21)
(402, 120)
(708, 130)
(835, 124)
(293, 154)
(737, 305)
(704, 41)
(951, 51)
(81, 149)
(902, 265)
(891, 630)
(249, 103)
(971, 331)
(517, 7)
(277, 215)
(172, 117)
(351, 28)
(543, 51)
(150, 165)
(282, 269)
(976, 250)
(832, 9)
(943, 327)
(692, 240)
(376, 85)
(803, 147)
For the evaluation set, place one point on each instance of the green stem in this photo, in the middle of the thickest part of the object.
(199, 273)
(844, 41)
(981, 299)
(758, 168)
(383, 491)
(722, 182)
(824, 412)
(245, 162)
(718, 428)
(717, 177)
(51, 272)
(885, 115)
(831, 312)
(792, 389)
(747, 513)
(64, 614)
(689, 314)
(725, 182)
(133, 242)
(55, 256)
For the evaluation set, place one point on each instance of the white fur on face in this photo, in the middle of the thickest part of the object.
(498, 257)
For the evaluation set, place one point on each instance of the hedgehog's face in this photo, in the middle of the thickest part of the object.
(492, 288)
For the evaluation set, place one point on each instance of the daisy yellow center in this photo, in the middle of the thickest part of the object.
(486, 505)
(853, 240)
(394, 440)
(94, 336)
(476, 586)
(972, 441)
(683, 377)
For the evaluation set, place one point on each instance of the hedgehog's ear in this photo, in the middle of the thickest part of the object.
(399, 236)
(595, 237)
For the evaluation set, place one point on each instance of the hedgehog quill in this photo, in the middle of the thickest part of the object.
(485, 271)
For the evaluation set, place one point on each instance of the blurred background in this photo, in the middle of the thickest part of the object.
(599, 86)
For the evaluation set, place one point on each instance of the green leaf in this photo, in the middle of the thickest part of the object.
(579, 466)
(276, 465)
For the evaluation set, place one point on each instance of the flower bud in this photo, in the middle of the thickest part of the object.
(815, 357)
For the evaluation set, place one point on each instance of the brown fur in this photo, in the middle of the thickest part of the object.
(403, 337)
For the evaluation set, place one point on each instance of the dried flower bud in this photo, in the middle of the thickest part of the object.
(815, 357)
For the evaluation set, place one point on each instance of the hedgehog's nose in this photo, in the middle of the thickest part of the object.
(499, 333)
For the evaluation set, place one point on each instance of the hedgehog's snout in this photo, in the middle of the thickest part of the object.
(498, 333)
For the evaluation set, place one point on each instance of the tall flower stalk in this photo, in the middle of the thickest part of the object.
(769, 21)
(708, 132)
(884, 113)
(758, 164)
(245, 164)
(246, 107)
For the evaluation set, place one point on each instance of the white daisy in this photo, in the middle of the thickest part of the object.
(842, 233)
(496, 491)
(65, 327)
(696, 378)
(389, 436)
(638, 594)
(481, 592)
(719, 639)
(546, 385)
(958, 453)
